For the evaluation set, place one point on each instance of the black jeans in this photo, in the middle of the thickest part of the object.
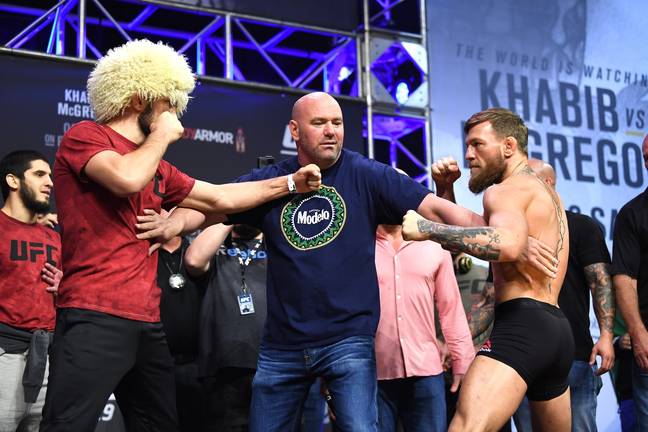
(95, 354)
(228, 400)
(191, 398)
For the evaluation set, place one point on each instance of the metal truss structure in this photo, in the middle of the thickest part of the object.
(379, 63)
(397, 92)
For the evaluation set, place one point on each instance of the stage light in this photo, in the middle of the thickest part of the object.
(344, 73)
(402, 92)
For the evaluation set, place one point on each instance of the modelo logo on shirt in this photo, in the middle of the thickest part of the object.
(312, 217)
(313, 220)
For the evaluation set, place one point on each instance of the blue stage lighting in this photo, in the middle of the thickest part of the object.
(402, 92)
(345, 73)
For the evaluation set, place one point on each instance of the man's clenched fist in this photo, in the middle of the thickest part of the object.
(445, 171)
(411, 226)
(308, 178)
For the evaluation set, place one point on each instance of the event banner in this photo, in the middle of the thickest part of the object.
(564, 67)
(226, 127)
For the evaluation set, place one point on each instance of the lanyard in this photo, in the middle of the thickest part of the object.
(246, 263)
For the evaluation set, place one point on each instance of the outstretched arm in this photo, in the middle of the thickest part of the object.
(238, 197)
(490, 243)
(503, 239)
(207, 204)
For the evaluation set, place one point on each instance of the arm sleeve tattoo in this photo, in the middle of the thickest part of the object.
(600, 283)
(482, 242)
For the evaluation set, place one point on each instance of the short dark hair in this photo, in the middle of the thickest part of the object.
(505, 123)
(16, 163)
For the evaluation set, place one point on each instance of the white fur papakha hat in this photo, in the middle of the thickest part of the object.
(150, 70)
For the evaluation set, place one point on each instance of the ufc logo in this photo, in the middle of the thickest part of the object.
(22, 250)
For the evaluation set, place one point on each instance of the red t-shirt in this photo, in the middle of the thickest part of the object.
(107, 269)
(24, 250)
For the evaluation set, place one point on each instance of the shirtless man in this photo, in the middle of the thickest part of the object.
(531, 348)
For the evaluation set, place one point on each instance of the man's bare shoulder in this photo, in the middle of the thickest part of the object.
(538, 191)
(511, 193)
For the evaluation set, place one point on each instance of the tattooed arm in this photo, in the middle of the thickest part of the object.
(600, 283)
(445, 172)
(503, 240)
(482, 242)
(482, 312)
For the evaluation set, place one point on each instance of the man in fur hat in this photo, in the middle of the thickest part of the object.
(108, 173)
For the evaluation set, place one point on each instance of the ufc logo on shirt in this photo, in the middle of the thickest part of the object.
(22, 250)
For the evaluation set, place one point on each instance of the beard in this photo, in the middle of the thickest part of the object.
(245, 232)
(28, 197)
(487, 176)
(145, 119)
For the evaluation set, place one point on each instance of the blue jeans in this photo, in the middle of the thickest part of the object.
(640, 395)
(313, 412)
(584, 387)
(284, 377)
(418, 402)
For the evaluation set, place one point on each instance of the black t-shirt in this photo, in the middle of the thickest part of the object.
(586, 247)
(630, 247)
(229, 338)
(179, 309)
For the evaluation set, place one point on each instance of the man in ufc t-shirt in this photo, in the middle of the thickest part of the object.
(29, 255)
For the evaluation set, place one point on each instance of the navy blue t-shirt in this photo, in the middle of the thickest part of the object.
(322, 285)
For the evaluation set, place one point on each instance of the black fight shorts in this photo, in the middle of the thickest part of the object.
(535, 339)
